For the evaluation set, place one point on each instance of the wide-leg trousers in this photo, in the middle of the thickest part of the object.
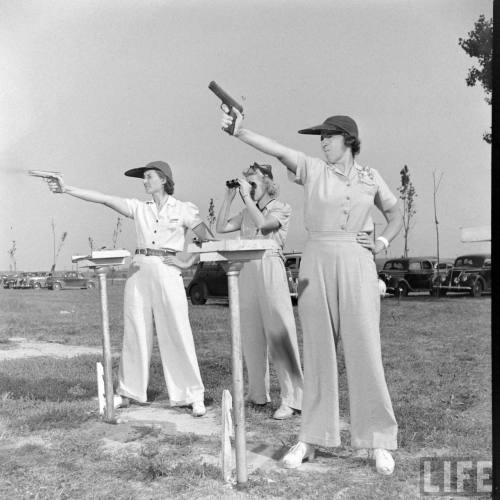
(268, 328)
(154, 291)
(339, 298)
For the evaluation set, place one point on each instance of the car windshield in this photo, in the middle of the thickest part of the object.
(396, 265)
(469, 261)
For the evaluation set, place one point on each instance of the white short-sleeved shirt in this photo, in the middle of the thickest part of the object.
(336, 202)
(165, 229)
(278, 209)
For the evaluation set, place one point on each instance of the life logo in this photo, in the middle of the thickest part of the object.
(455, 476)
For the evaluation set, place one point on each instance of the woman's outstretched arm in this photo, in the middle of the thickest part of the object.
(285, 155)
(57, 185)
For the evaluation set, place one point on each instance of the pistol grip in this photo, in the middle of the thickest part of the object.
(230, 129)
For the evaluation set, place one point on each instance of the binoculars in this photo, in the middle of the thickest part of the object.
(235, 183)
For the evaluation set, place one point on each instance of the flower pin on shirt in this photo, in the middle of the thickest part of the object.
(365, 174)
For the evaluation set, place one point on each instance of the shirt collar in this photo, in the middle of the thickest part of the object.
(266, 205)
(355, 167)
(171, 201)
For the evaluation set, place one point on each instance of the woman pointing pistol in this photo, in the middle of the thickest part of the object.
(154, 291)
(338, 289)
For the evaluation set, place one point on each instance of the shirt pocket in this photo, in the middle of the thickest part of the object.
(367, 187)
(170, 224)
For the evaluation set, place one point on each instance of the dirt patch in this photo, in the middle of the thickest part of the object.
(19, 348)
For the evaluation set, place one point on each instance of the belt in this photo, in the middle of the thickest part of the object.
(154, 252)
(348, 236)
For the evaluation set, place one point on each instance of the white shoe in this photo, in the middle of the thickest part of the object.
(283, 412)
(120, 401)
(297, 454)
(383, 461)
(199, 409)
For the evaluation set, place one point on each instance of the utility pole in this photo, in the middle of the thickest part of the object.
(436, 222)
(53, 245)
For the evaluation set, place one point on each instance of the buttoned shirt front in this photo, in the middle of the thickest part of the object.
(337, 202)
(165, 228)
(279, 210)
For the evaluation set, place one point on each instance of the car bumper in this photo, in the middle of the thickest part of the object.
(453, 288)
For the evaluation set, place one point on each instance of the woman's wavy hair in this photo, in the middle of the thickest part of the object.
(272, 187)
(352, 142)
(169, 183)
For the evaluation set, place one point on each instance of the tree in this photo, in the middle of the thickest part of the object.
(480, 45)
(211, 214)
(58, 250)
(117, 231)
(408, 194)
(12, 254)
(436, 187)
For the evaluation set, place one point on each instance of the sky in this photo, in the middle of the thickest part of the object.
(94, 88)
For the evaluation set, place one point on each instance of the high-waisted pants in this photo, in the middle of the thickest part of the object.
(268, 326)
(339, 298)
(154, 291)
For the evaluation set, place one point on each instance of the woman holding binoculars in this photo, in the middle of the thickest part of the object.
(338, 288)
(267, 321)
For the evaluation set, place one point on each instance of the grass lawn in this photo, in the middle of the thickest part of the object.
(52, 443)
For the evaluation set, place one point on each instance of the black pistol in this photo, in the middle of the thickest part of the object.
(228, 101)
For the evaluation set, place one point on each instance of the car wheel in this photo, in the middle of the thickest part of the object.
(477, 289)
(198, 294)
(56, 286)
(36, 285)
(401, 290)
(90, 285)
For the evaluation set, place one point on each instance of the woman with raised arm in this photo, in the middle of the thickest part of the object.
(154, 291)
(267, 321)
(338, 289)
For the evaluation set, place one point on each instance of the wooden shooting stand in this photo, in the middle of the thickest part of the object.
(101, 261)
(233, 254)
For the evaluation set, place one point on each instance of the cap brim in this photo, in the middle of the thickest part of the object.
(139, 172)
(136, 172)
(320, 128)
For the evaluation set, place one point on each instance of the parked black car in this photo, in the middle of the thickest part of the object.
(413, 274)
(292, 266)
(210, 280)
(470, 273)
(68, 279)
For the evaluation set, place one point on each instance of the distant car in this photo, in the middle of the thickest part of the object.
(36, 279)
(209, 280)
(11, 280)
(470, 273)
(292, 266)
(68, 279)
(412, 274)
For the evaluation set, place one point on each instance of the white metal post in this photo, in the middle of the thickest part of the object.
(237, 364)
(106, 346)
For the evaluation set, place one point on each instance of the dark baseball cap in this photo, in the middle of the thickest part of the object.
(336, 123)
(154, 165)
(264, 169)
